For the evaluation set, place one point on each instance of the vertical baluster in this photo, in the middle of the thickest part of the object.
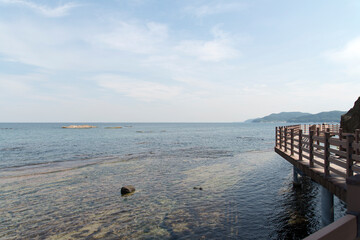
(327, 153)
(285, 139)
(341, 138)
(292, 141)
(311, 154)
(300, 145)
(317, 134)
(280, 137)
(357, 139)
(349, 152)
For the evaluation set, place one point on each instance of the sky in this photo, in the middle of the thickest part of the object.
(176, 61)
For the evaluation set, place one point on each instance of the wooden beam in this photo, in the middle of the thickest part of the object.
(345, 229)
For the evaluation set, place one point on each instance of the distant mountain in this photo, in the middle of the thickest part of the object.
(301, 117)
(280, 117)
(249, 120)
(332, 116)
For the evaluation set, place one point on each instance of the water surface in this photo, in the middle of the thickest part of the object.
(65, 183)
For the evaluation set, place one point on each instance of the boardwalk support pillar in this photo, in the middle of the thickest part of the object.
(296, 172)
(327, 207)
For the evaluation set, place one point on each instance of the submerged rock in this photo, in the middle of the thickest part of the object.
(127, 189)
(79, 126)
(350, 121)
(113, 127)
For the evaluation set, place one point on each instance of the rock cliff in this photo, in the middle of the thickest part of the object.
(350, 121)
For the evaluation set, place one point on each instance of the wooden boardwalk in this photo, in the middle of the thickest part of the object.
(322, 152)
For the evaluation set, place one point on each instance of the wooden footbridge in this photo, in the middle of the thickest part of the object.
(332, 159)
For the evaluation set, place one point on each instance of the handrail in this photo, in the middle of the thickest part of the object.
(324, 143)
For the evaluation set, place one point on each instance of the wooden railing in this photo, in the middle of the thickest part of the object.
(324, 145)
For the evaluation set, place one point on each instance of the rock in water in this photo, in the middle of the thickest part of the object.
(127, 189)
(350, 121)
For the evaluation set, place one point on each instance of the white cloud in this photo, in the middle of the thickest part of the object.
(348, 56)
(138, 89)
(41, 45)
(218, 49)
(42, 9)
(134, 38)
(214, 8)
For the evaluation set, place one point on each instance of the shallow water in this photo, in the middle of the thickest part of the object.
(65, 183)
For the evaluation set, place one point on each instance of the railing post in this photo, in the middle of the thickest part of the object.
(349, 152)
(317, 134)
(292, 141)
(276, 136)
(357, 139)
(341, 138)
(326, 154)
(285, 139)
(280, 139)
(300, 145)
(311, 154)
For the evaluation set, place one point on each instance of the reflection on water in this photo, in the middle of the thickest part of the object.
(246, 194)
(297, 218)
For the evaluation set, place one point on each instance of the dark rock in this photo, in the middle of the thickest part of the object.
(195, 187)
(350, 121)
(200, 188)
(127, 189)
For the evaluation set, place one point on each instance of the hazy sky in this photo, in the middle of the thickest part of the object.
(176, 61)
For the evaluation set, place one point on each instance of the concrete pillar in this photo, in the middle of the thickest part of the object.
(296, 181)
(327, 207)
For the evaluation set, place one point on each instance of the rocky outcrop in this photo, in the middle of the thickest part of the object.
(350, 121)
(79, 126)
(127, 189)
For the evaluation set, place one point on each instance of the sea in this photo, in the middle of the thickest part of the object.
(192, 180)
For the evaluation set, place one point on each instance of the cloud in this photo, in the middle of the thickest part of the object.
(42, 9)
(218, 49)
(213, 8)
(348, 56)
(138, 89)
(39, 44)
(136, 38)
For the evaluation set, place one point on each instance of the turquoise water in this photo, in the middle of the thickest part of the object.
(60, 183)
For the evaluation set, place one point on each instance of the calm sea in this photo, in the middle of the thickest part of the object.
(60, 183)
